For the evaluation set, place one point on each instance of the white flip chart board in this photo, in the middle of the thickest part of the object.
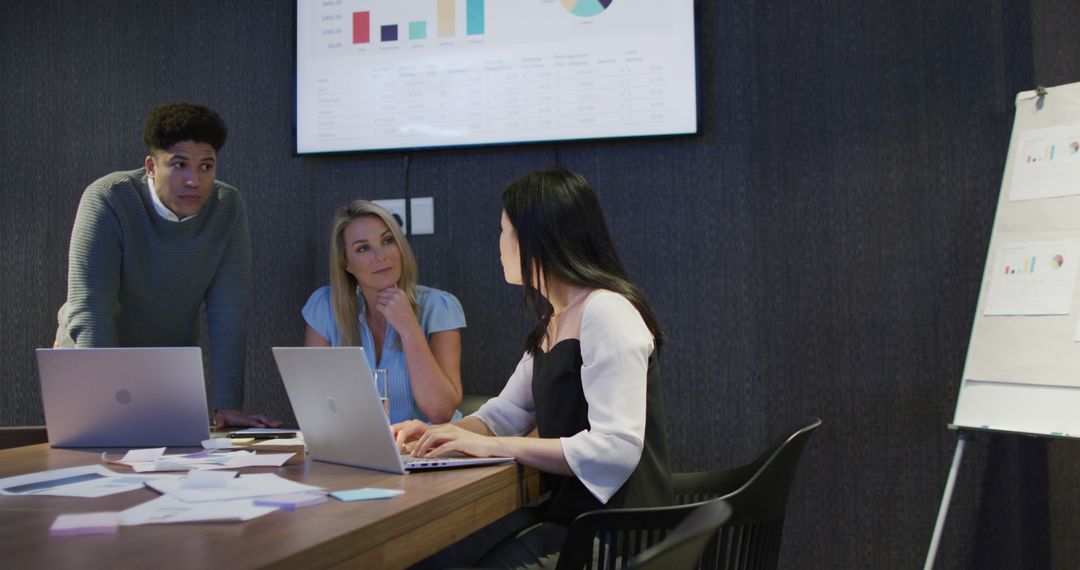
(1022, 372)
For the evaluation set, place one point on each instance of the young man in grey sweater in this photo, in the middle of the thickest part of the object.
(150, 246)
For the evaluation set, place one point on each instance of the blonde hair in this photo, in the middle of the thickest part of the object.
(344, 297)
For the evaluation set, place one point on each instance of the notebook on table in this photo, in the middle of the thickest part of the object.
(333, 396)
(124, 397)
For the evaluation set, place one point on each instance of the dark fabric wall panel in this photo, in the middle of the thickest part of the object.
(816, 249)
(463, 255)
(1056, 61)
(1055, 55)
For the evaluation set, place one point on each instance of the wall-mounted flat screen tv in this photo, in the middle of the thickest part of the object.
(406, 74)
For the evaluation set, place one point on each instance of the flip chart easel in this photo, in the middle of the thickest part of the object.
(1022, 373)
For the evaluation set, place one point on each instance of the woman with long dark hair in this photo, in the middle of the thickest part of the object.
(589, 381)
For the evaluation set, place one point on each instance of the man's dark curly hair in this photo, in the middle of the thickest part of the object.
(182, 121)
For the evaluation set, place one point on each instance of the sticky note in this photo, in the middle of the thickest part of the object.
(85, 523)
(366, 494)
(291, 501)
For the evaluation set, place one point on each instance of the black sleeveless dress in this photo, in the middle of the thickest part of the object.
(562, 411)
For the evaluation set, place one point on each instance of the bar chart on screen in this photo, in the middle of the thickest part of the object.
(383, 74)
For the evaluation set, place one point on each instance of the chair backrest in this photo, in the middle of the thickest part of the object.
(682, 548)
(758, 494)
(472, 402)
(609, 538)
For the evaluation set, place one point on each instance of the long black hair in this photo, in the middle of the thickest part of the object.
(561, 233)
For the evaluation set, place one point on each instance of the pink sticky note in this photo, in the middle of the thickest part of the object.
(85, 523)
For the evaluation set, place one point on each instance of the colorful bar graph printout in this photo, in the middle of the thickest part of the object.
(389, 33)
(447, 16)
(417, 30)
(1028, 267)
(474, 17)
(361, 27)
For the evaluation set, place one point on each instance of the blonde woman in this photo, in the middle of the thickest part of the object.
(374, 301)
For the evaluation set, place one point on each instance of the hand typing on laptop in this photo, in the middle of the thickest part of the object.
(422, 440)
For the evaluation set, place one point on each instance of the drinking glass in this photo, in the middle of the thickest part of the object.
(382, 386)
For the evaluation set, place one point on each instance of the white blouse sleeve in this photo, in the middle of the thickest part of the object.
(615, 349)
(511, 412)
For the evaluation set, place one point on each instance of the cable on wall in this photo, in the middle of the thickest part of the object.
(408, 205)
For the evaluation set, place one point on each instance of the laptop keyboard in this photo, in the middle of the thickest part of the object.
(410, 460)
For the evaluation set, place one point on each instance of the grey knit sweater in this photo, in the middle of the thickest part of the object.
(136, 279)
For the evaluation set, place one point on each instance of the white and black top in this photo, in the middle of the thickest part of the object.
(596, 387)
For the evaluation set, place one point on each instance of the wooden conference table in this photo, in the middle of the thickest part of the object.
(438, 508)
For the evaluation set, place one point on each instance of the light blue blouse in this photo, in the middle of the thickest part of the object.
(439, 311)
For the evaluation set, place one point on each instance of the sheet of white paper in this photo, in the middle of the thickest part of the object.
(186, 462)
(1034, 278)
(36, 483)
(259, 460)
(1046, 164)
(167, 509)
(159, 466)
(78, 524)
(85, 481)
(207, 479)
(143, 454)
(242, 487)
(117, 483)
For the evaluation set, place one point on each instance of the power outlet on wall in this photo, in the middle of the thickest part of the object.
(422, 216)
(397, 208)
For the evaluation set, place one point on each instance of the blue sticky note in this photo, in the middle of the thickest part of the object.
(366, 494)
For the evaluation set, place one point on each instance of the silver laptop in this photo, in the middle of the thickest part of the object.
(124, 397)
(335, 402)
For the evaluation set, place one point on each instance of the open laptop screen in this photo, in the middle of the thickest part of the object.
(124, 397)
(343, 421)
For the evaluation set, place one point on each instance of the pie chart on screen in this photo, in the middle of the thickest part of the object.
(586, 8)
(1057, 261)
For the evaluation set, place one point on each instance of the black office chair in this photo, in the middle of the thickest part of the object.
(757, 493)
(472, 402)
(682, 548)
